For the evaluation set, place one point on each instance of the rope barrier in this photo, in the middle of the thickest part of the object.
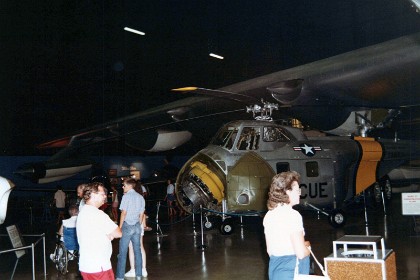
(250, 214)
(173, 223)
(160, 205)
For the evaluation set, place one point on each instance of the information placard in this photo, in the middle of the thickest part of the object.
(410, 203)
(16, 240)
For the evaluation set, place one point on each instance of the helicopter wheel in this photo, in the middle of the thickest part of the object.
(226, 228)
(207, 225)
(337, 218)
(61, 258)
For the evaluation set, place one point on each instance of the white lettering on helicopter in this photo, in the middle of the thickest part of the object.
(314, 190)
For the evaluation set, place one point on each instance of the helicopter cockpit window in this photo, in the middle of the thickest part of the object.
(225, 137)
(249, 139)
(272, 134)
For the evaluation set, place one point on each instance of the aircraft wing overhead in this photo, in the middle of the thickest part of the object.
(321, 94)
(372, 91)
(141, 130)
(380, 75)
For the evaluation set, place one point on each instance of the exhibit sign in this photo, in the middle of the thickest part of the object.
(16, 239)
(410, 203)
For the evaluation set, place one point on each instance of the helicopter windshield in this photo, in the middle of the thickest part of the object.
(249, 139)
(275, 134)
(225, 137)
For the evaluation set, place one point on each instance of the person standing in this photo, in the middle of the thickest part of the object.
(95, 231)
(115, 203)
(170, 198)
(132, 272)
(60, 203)
(283, 228)
(144, 191)
(80, 200)
(132, 211)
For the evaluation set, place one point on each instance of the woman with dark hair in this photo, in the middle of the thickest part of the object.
(283, 228)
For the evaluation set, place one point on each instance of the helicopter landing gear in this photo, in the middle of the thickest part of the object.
(208, 224)
(227, 227)
(337, 218)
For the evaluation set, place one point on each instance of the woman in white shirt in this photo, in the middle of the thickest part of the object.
(283, 228)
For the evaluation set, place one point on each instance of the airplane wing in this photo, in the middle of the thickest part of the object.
(321, 94)
(142, 130)
(370, 90)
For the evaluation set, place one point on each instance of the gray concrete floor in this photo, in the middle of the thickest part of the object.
(178, 253)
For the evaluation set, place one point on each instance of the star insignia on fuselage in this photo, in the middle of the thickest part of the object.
(307, 150)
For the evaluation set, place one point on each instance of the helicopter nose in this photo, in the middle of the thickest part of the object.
(200, 182)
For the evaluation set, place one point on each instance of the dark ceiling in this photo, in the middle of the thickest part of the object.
(67, 65)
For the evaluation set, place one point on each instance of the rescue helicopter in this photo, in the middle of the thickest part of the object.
(233, 173)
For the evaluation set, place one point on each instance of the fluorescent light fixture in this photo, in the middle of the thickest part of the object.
(134, 31)
(216, 56)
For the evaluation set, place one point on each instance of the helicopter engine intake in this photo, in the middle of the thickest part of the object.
(200, 182)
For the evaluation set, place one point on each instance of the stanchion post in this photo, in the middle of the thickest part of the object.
(45, 262)
(202, 246)
(366, 216)
(193, 221)
(33, 261)
(157, 218)
(158, 228)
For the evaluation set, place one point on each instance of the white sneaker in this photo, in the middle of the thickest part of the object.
(130, 273)
(144, 272)
(52, 257)
(71, 255)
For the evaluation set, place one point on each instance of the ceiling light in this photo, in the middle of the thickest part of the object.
(216, 56)
(134, 31)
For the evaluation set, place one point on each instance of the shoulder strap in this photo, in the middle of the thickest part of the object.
(319, 264)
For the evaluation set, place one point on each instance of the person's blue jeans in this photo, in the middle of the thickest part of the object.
(129, 233)
(283, 268)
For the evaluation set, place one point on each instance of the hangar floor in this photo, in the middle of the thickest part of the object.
(178, 253)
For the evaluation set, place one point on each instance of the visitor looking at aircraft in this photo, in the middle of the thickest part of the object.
(132, 272)
(283, 228)
(170, 198)
(132, 211)
(60, 203)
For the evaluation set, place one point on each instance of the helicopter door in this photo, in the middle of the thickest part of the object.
(247, 184)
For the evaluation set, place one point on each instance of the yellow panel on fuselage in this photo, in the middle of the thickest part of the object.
(371, 155)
